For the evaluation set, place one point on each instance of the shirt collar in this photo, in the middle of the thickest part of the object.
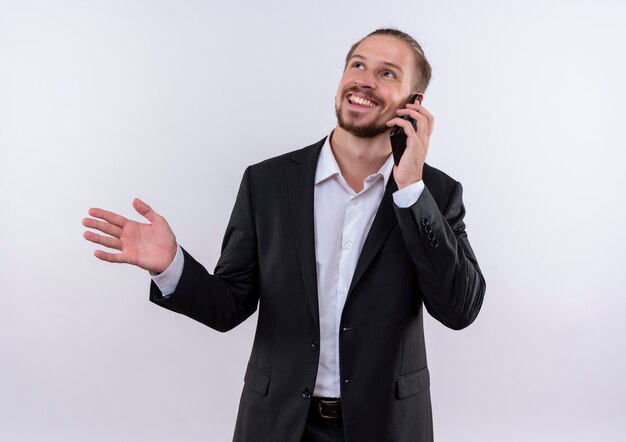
(327, 165)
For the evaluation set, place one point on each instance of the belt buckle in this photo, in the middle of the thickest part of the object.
(323, 409)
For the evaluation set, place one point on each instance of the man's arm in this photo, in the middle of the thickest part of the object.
(450, 279)
(222, 300)
(449, 276)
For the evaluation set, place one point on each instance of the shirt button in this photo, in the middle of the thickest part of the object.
(354, 202)
(343, 289)
(315, 344)
(307, 393)
(349, 245)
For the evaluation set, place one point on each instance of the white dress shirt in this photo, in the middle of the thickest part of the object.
(342, 220)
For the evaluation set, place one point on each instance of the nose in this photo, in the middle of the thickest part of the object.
(365, 80)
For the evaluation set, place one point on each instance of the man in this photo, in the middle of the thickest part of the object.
(339, 249)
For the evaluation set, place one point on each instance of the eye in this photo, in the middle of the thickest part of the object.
(389, 74)
(358, 65)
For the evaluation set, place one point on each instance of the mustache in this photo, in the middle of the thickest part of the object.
(365, 93)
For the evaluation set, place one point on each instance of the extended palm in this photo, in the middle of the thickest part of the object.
(149, 246)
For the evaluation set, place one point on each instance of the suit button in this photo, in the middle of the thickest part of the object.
(428, 228)
(434, 243)
(315, 344)
(431, 236)
(425, 221)
(307, 393)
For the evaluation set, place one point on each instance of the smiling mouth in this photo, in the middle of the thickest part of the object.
(355, 99)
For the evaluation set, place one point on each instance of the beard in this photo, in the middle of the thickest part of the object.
(361, 129)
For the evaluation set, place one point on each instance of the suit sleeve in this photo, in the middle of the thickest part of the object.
(450, 279)
(229, 296)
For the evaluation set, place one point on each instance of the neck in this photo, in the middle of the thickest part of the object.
(359, 157)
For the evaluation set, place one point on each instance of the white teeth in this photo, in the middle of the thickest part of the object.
(361, 101)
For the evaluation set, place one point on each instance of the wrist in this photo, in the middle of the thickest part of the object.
(409, 182)
(164, 265)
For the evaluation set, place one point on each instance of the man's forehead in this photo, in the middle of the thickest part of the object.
(385, 48)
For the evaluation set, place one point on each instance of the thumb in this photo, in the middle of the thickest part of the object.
(144, 210)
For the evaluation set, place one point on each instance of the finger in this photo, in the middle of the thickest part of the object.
(110, 217)
(429, 117)
(404, 124)
(421, 109)
(422, 128)
(109, 257)
(106, 241)
(103, 227)
(145, 210)
(415, 114)
(409, 130)
(397, 122)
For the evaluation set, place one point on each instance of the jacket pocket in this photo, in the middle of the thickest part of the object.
(413, 383)
(256, 380)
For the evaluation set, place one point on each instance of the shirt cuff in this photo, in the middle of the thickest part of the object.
(168, 280)
(408, 196)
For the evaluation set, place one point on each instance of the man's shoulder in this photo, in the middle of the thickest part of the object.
(437, 178)
(440, 185)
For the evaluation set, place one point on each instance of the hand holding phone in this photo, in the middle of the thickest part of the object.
(397, 135)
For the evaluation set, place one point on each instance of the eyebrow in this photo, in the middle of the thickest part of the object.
(386, 63)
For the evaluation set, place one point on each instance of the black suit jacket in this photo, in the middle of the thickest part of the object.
(411, 257)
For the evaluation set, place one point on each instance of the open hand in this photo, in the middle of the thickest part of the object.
(149, 246)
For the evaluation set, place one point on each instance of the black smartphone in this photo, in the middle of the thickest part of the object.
(397, 135)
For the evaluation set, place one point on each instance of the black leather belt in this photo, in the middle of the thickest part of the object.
(325, 411)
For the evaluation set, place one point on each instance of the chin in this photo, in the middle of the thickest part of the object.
(361, 130)
(365, 131)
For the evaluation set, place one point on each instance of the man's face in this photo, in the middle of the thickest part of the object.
(379, 78)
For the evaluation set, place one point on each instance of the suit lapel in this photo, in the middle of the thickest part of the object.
(300, 188)
(384, 222)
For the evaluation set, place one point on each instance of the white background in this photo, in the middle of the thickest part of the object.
(170, 100)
